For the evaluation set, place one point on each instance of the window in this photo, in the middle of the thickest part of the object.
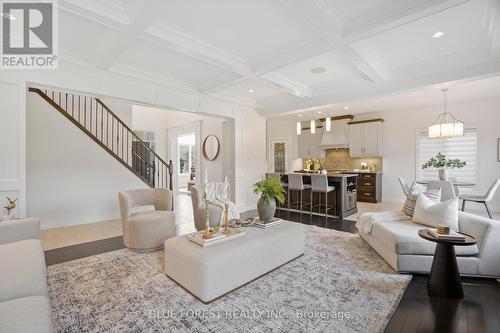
(462, 147)
(185, 145)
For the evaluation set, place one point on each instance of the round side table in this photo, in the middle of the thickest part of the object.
(444, 280)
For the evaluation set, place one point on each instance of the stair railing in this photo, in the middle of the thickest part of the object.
(103, 126)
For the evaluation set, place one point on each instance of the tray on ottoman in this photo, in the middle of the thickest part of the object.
(211, 272)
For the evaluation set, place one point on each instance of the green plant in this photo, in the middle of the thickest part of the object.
(440, 161)
(270, 189)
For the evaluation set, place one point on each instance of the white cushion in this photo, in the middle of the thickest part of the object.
(411, 198)
(22, 272)
(26, 315)
(401, 237)
(429, 213)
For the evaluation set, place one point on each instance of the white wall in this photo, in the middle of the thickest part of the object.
(400, 135)
(400, 142)
(158, 94)
(70, 179)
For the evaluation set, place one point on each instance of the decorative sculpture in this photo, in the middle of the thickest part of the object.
(10, 206)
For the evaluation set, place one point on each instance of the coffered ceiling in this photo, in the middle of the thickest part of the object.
(285, 55)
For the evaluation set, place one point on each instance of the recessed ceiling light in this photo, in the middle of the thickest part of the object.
(318, 70)
(251, 91)
(300, 115)
(438, 34)
(319, 112)
(8, 16)
(346, 108)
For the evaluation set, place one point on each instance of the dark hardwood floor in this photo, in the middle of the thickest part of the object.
(477, 312)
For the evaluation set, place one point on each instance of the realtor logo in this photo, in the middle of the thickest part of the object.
(29, 35)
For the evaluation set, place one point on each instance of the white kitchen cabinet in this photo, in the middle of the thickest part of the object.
(365, 139)
(309, 144)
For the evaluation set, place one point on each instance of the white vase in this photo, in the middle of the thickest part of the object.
(443, 174)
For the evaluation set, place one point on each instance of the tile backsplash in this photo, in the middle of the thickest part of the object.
(340, 159)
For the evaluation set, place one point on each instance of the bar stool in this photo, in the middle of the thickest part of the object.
(277, 176)
(320, 185)
(296, 183)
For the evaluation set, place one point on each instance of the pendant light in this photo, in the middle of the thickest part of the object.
(299, 128)
(446, 125)
(328, 124)
(313, 126)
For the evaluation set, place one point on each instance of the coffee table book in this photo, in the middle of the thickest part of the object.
(261, 224)
(453, 235)
(217, 238)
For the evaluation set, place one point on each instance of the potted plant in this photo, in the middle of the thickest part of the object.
(270, 190)
(441, 163)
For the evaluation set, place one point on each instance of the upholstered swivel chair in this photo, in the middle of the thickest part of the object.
(146, 230)
(215, 212)
(482, 198)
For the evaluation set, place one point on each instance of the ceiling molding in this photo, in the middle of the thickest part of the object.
(236, 99)
(329, 26)
(136, 28)
(155, 78)
(176, 40)
(293, 87)
(393, 16)
(108, 13)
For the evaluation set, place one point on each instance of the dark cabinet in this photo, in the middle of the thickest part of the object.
(369, 187)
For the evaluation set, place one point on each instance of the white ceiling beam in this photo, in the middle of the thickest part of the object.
(323, 19)
(186, 44)
(137, 26)
(143, 26)
(181, 42)
(393, 15)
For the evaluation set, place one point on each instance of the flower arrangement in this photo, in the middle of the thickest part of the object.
(440, 161)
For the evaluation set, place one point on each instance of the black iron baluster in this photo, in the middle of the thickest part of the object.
(102, 120)
(85, 111)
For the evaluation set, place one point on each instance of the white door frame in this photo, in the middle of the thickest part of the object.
(172, 134)
(287, 153)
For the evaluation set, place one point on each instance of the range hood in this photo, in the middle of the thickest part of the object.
(338, 136)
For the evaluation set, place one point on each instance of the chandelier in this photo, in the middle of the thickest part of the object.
(446, 125)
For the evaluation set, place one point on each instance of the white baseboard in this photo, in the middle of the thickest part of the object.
(72, 221)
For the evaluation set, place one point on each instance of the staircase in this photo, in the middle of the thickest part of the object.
(96, 120)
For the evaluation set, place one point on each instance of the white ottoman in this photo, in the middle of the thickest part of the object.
(211, 272)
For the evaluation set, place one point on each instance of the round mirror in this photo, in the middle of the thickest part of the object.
(211, 147)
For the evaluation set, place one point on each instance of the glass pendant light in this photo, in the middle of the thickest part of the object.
(299, 128)
(328, 124)
(313, 126)
(446, 125)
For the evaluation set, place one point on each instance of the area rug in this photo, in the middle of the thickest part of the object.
(339, 285)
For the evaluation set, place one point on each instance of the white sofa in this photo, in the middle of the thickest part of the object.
(399, 244)
(24, 301)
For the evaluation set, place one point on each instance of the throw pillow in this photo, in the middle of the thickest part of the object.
(429, 213)
(411, 198)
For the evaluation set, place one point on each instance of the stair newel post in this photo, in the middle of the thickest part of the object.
(170, 173)
(154, 171)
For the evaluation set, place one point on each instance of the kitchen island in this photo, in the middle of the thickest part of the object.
(344, 196)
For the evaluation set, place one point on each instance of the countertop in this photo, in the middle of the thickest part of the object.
(330, 174)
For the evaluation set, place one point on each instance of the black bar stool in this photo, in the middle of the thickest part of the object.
(320, 185)
(296, 183)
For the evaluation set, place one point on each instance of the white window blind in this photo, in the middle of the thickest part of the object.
(463, 147)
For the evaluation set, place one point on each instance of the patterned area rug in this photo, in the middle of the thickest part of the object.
(339, 285)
